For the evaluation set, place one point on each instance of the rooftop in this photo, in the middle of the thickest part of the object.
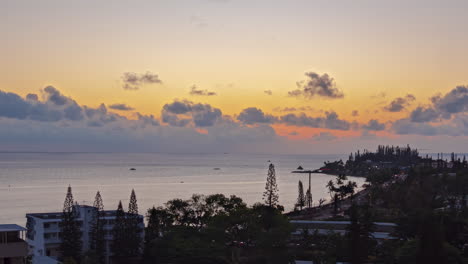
(11, 228)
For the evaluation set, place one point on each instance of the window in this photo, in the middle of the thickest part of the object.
(46, 225)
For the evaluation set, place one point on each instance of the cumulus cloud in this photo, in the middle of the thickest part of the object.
(195, 91)
(324, 136)
(446, 115)
(253, 115)
(455, 101)
(317, 85)
(121, 107)
(183, 113)
(400, 103)
(374, 125)
(55, 108)
(268, 92)
(442, 107)
(133, 81)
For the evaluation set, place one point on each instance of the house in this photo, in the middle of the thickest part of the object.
(44, 237)
(13, 248)
(382, 231)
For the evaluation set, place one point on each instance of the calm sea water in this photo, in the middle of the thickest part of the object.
(37, 182)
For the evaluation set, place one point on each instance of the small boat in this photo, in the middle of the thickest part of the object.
(132, 169)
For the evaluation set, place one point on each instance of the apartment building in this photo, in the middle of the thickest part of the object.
(44, 237)
(13, 248)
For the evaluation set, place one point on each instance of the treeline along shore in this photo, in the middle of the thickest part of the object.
(412, 210)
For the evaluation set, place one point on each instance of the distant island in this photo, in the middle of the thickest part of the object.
(395, 158)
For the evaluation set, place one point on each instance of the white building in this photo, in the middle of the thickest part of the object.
(13, 248)
(43, 231)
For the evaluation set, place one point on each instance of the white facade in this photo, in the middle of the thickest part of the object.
(43, 235)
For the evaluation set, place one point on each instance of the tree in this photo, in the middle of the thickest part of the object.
(98, 242)
(300, 198)
(133, 227)
(119, 233)
(359, 233)
(70, 230)
(308, 198)
(270, 196)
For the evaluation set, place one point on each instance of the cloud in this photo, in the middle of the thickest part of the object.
(55, 108)
(133, 81)
(195, 91)
(421, 115)
(355, 113)
(324, 136)
(330, 121)
(317, 85)
(32, 97)
(293, 133)
(253, 115)
(268, 92)
(374, 125)
(455, 101)
(121, 107)
(442, 107)
(378, 95)
(182, 113)
(400, 103)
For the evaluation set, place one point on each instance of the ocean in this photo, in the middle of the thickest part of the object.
(37, 182)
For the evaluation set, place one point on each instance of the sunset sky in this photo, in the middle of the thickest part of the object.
(232, 75)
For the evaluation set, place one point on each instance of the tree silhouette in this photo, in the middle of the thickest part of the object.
(270, 196)
(119, 233)
(300, 197)
(133, 227)
(308, 198)
(70, 246)
(98, 242)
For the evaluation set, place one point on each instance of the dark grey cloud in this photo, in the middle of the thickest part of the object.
(32, 97)
(148, 119)
(182, 113)
(121, 107)
(57, 107)
(442, 107)
(54, 96)
(133, 81)
(400, 103)
(374, 125)
(317, 85)
(455, 101)
(330, 121)
(195, 91)
(268, 92)
(253, 115)
(421, 115)
(293, 133)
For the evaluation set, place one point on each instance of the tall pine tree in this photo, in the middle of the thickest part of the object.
(270, 196)
(98, 242)
(71, 244)
(300, 197)
(133, 227)
(119, 233)
(308, 198)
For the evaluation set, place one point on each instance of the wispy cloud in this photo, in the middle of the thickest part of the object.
(133, 81)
